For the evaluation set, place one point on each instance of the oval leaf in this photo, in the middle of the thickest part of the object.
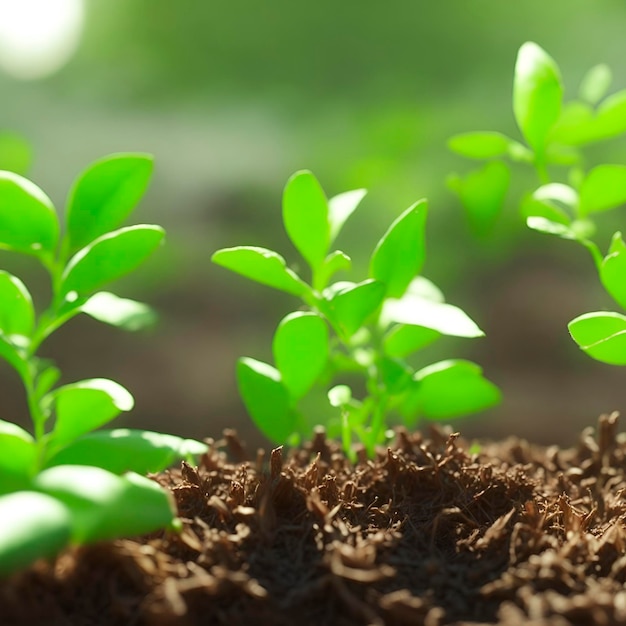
(122, 449)
(104, 506)
(601, 335)
(603, 188)
(306, 217)
(261, 265)
(32, 526)
(84, 406)
(403, 339)
(110, 257)
(28, 221)
(19, 455)
(537, 94)
(400, 254)
(266, 399)
(341, 207)
(300, 351)
(17, 315)
(104, 195)
(351, 307)
(480, 145)
(121, 312)
(595, 83)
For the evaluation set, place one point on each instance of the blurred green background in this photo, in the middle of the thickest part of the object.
(232, 98)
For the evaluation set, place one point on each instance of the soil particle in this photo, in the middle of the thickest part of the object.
(427, 533)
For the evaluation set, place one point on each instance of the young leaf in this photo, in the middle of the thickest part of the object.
(439, 316)
(482, 194)
(453, 388)
(28, 221)
(32, 526)
(306, 217)
(17, 315)
(121, 312)
(350, 307)
(261, 265)
(610, 120)
(403, 339)
(341, 207)
(14, 354)
(84, 406)
(595, 83)
(601, 335)
(266, 399)
(399, 255)
(110, 257)
(537, 94)
(104, 506)
(123, 449)
(301, 350)
(603, 188)
(19, 451)
(549, 227)
(480, 145)
(395, 374)
(104, 195)
(575, 124)
(613, 270)
(333, 263)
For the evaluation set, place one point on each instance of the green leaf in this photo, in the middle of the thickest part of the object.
(110, 257)
(613, 270)
(32, 526)
(19, 453)
(394, 374)
(263, 266)
(17, 314)
(121, 312)
(403, 339)
(480, 145)
(46, 379)
(610, 120)
(300, 351)
(306, 217)
(350, 307)
(84, 406)
(601, 335)
(336, 261)
(341, 207)
(549, 227)
(15, 154)
(471, 391)
(595, 83)
(104, 506)
(104, 195)
(603, 188)
(537, 94)
(439, 316)
(28, 221)
(122, 449)
(399, 255)
(14, 355)
(482, 194)
(266, 399)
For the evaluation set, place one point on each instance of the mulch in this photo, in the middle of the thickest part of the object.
(431, 532)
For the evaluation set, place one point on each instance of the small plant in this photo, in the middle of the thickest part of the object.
(64, 482)
(368, 328)
(564, 204)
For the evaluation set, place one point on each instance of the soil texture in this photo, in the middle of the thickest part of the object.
(431, 532)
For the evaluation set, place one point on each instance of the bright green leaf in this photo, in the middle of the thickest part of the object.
(595, 83)
(394, 374)
(549, 227)
(32, 526)
(480, 145)
(266, 399)
(336, 261)
(121, 312)
(537, 94)
(110, 257)
(122, 450)
(613, 270)
(261, 265)
(350, 307)
(306, 217)
(603, 188)
(439, 316)
(28, 221)
(105, 506)
(84, 406)
(399, 255)
(602, 335)
(14, 354)
(17, 315)
(19, 452)
(403, 339)
(610, 120)
(301, 348)
(104, 195)
(341, 207)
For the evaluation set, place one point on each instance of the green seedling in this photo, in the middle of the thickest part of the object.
(368, 329)
(569, 196)
(66, 481)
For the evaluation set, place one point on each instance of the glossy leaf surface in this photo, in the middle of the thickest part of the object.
(17, 315)
(351, 307)
(602, 335)
(341, 207)
(121, 312)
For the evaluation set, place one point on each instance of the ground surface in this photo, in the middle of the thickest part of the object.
(425, 534)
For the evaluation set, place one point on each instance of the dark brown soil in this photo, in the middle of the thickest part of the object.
(425, 534)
